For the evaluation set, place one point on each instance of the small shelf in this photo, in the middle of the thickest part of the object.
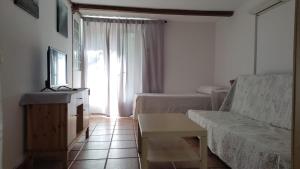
(170, 149)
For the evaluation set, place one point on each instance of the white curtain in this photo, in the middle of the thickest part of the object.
(113, 64)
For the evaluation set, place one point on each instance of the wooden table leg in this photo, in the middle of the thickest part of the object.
(144, 161)
(139, 140)
(203, 152)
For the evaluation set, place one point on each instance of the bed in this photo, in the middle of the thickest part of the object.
(170, 103)
(205, 98)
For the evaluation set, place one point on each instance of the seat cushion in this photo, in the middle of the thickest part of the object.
(244, 143)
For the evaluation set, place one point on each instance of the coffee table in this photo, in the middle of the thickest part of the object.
(160, 139)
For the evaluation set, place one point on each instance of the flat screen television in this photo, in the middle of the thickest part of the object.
(56, 68)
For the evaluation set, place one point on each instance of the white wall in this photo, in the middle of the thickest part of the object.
(235, 44)
(24, 41)
(275, 39)
(235, 39)
(189, 56)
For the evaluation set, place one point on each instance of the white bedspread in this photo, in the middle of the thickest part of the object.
(170, 103)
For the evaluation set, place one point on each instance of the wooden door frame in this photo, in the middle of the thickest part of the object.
(296, 95)
(1, 115)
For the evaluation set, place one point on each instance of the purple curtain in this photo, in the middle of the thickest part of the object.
(153, 60)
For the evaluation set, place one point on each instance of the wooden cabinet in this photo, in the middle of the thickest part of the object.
(46, 126)
(53, 122)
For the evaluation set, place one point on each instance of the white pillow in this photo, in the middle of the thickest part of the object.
(209, 89)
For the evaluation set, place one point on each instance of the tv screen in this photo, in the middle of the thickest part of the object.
(57, 68)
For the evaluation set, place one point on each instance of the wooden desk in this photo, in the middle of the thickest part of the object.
(159, 139)
(53, 122)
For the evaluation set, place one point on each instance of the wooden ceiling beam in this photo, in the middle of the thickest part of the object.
(77, 6)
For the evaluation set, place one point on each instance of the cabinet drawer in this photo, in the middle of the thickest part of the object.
(77, 99)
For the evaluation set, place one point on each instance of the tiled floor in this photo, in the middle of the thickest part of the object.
(112, 145)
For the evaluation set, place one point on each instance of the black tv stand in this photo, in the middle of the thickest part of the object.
(48, 88)
(47, 84)
(59, 88)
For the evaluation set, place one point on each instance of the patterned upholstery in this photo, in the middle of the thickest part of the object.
(254, 132)
(266, 98)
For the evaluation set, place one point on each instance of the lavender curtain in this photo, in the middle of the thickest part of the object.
(153, 62)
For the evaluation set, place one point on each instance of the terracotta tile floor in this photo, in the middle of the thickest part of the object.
(112, 145)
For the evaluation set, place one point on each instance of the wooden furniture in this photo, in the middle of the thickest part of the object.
(53, 122)
(78, 6)
(159, 139)
(296, 98)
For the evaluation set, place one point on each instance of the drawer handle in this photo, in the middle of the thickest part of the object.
(79, 98)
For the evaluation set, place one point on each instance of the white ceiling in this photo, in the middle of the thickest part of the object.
(167, 4)
(171, 4)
